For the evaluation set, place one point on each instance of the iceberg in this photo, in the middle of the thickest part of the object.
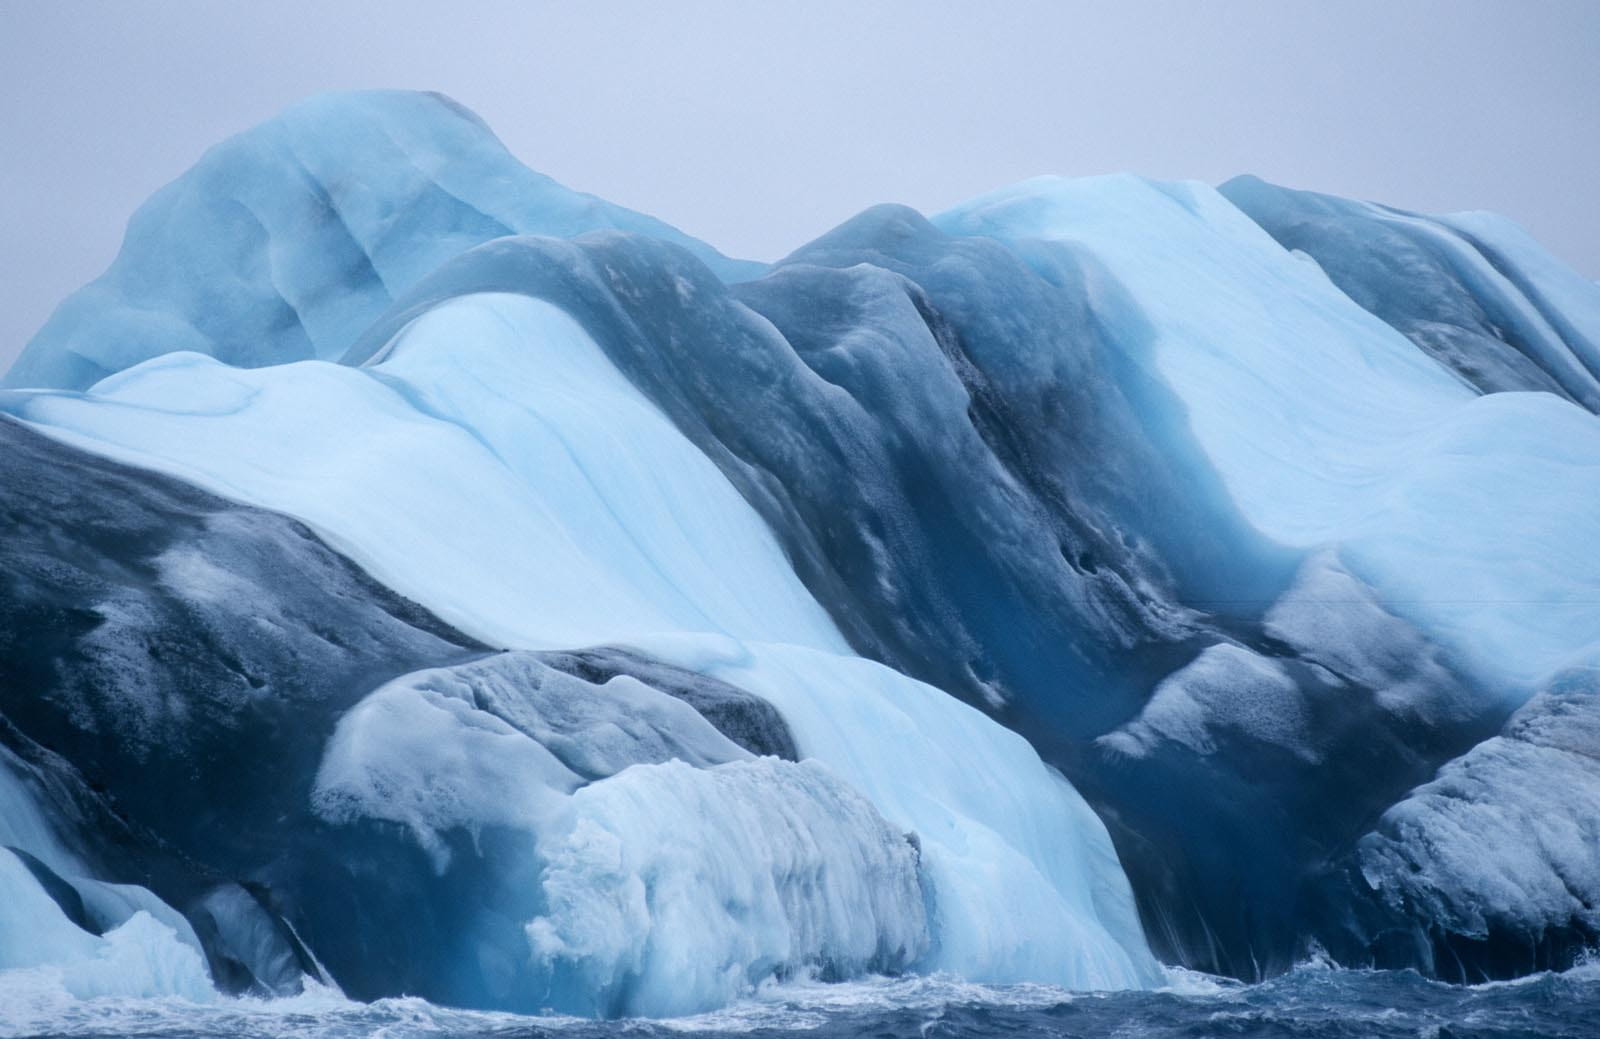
(1100, 570)
(580, 516)
(1472, 290)
(1400, 468)
(671, 871)
(63, 931)
(42, 948)
(1489, 868)
(286, 241)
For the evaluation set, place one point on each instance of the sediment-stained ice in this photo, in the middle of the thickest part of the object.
(1327, 426)
(578, 515)
(1471, 289)
(1260, 515)
(1496, 860)
(671, 871)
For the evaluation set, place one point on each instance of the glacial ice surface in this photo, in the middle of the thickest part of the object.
(172, 662)
(54, 915)
(1502, 847)
(39, 944)
(1472, 290)
(673, 890)
(1251, 508)
(496, 467)
(674, 870)
(285, 241)
(1329, 427)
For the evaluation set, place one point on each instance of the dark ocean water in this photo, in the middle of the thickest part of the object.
(1312, 1002)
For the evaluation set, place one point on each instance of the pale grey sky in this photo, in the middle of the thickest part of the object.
(759, 125)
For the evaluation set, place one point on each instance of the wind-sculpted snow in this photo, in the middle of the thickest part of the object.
(286, 241)
(1472, 290)
(1260, 546)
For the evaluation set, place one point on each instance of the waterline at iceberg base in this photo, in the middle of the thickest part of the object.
(431, 597)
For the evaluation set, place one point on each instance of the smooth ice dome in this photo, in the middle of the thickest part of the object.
(422, 578)
(286, 241)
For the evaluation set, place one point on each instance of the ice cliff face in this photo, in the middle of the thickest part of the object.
(1277, 554)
